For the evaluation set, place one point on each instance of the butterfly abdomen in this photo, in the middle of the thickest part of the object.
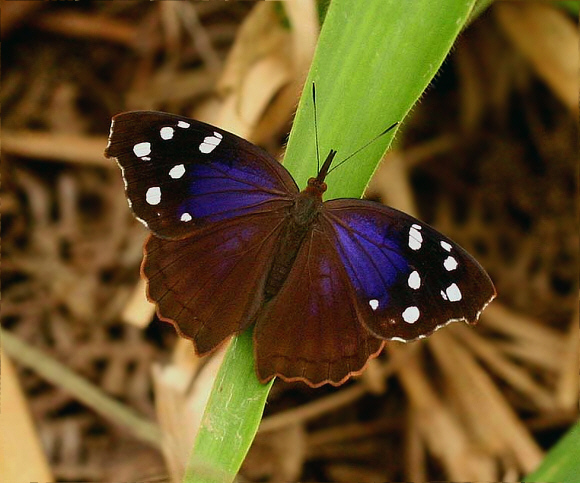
(299, 221)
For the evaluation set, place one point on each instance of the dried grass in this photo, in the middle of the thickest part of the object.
(465, 405)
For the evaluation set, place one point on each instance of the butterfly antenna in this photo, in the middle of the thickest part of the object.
(363, 147)
(316, 128)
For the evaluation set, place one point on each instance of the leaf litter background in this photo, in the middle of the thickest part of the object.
(488, 156)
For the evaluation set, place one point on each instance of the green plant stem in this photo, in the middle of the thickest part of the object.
(373, 61)
(89, 394)
(231, 418)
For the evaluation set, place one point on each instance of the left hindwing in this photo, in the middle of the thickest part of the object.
(409, 279)
(210, 285)
(181, 174)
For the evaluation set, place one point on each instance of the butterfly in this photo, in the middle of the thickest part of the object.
(234, 243)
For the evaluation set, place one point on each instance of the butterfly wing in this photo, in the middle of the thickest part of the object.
(215, 204)
(408, 278)
(366, 272)
(210, 285)
(311, 330)
(181, 174)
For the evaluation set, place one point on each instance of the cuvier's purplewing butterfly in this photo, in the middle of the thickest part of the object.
(234, 243)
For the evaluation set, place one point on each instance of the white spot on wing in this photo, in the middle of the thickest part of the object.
(411, 315)
(415, 238)
(210, 142)
(142, 149)
(177, 171)
(374, 303)
(450, 263)
(453, 293)
(446, 246)
(414, 280)
(417, 227)
(183, 124)
(153, 195)
(186, 217)
(166, 132)
(443, 295)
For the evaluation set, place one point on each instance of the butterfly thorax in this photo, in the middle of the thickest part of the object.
(301, 217)
(298, 223)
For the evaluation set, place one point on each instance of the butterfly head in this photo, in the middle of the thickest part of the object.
(317, 186)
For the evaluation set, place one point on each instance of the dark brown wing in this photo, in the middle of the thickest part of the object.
(311, 331)
(181, 174)
(211, 284)
(409, 280)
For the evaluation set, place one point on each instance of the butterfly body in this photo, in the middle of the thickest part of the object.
(299, 223)
(235, 243)
(301, 219)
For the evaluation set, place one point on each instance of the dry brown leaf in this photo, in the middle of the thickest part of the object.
(489, 415)
(260, 35)
(138, 311)
(242, 109)
(312, 409)
(79, 25)
(265, 58)
(278, 457)
(444, 435)
(303, 16)
(415, 451)
(347, 473)
(525, 332)
(171, 86)
(181, 393)
(515, 375)
(62, 148)
(21, 452)
(567, 385)
(15, 14)
(548, 38)
(391, 182)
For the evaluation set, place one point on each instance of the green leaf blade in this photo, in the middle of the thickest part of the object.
(371, 66)
(231, 418)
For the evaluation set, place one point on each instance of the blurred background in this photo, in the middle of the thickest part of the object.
(94, 387)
